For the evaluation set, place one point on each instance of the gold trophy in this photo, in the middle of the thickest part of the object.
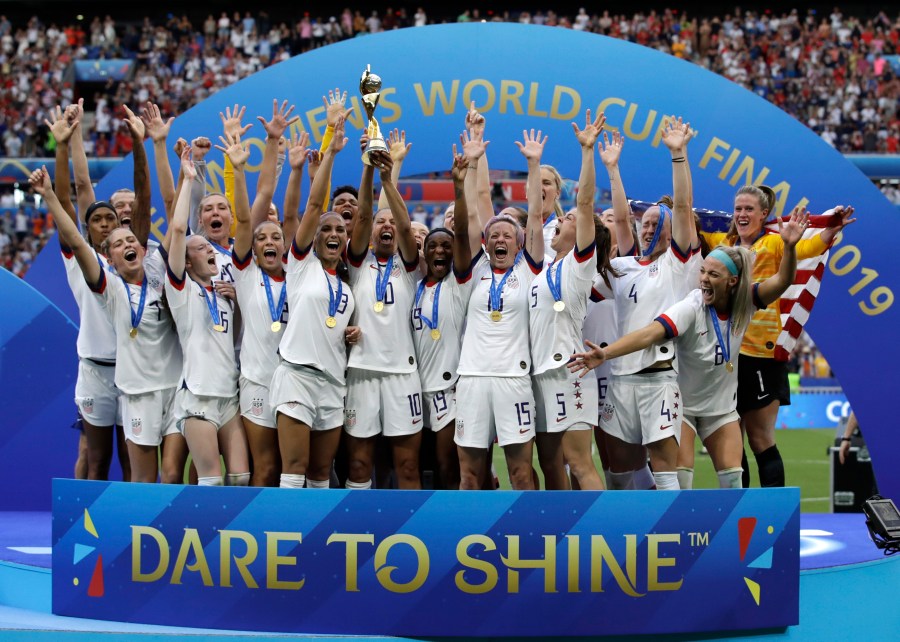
(370, 88)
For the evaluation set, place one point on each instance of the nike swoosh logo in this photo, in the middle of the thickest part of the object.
(665, 427)
(760, 397)
(700, 334)
(485, 278)
(558, 419)
(415, 421)
(524, 431)
(439, 417)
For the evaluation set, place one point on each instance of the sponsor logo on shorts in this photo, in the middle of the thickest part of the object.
(137, 426)
(665, 427)
(416, 421)
(524, 431)
(460, 427)
(349, 418)
(439, 417)
(256, 407)
(87, 405)
(606, 413)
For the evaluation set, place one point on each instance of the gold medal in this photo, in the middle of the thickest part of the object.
(276, 326)
(219, 327)
(559, 306)
(330, 322)
(495, 315)
(379, 306)
(133, 333)
(729, 366)
(435, 334)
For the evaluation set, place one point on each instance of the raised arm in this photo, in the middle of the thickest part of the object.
(238, 155)
(406, 242)
(844, 218)
(265, 184)
(84, 188)
(584, 202)
(532, 149)
(67, 227)
(158, 131)
(177, 236)
(62, 130)
(791, 233)
(676, 135)
(481, 196)
(297, 151)
(140, 211)
(318, 191)
(362, 227)
(584, 362)
(334, 108)
(196, 185)
(399, 148)
(610, 151)
(462, 248)
(474, 147)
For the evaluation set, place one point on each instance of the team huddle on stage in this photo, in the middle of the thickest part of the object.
(287, 346)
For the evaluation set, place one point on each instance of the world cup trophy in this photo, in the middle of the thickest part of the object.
(370, 88)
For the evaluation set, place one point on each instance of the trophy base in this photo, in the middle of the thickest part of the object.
(374, 145)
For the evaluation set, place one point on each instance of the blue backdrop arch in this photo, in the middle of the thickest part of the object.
(524, 76)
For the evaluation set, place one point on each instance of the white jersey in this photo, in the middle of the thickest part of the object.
(498, 348)
(223, 261)
(555, 336)
(642, 292)
(600, 328)
(439, 358)
(549, 233)
(386, 343)
(259, 343)
(307, 340)
(96, 337)
(209, 368)
(151, 360)
(706, 385)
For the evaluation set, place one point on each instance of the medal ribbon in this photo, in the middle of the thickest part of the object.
(726, 346)
(555, 284)
(381, 281)
(136, 315)
(432, 323)
(275, 312)
(333, 299)
(497, 291)
(213, 304)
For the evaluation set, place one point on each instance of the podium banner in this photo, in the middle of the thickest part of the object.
(427, 563)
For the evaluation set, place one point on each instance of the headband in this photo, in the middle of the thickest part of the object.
(723, 258)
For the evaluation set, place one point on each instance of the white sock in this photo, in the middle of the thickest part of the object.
(352, 485)
(685, 477)
(237, 479)
(209, 481)
(730, 477)
(315, 483)
(666, 481)
(291, 481)
(620, 481)
(644, 479)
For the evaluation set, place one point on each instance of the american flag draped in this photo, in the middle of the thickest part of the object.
(797, 302)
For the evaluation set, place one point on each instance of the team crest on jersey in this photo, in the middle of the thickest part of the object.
(137, 426)
(349, 418)
(155, 283)
(654, 270)
(87, 405)
(460, 427)
(607, 411)
(512, 282)
(256, 407)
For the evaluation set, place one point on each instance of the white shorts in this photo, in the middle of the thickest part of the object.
(255, 403)
(643, 408)
(563, 401)
(494, 406)
(440, 408)
(148, 417)
(308, 396)
(706, 426)
(382, 402)
(96, 394)
(216, 410)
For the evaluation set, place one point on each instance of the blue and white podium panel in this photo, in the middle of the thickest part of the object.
(426, 563)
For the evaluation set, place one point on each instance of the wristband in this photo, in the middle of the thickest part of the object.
(845, 439)
(680, 159)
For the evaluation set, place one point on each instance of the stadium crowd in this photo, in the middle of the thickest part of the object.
(828, 71)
